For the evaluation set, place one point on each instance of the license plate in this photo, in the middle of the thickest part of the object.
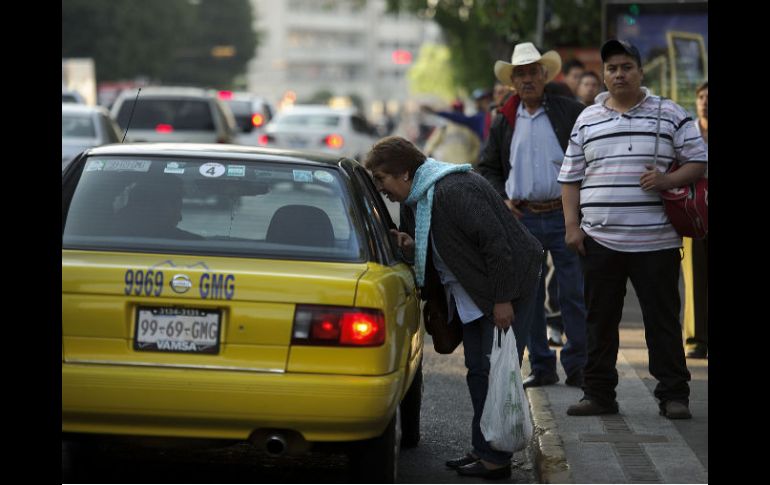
(296, 142)
(186, 330)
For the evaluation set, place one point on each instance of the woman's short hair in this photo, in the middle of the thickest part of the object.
(394, 155)
(702, 86)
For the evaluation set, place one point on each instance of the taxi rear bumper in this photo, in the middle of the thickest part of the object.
(216, 404)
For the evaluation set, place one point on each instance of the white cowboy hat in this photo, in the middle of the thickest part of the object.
(527, 53)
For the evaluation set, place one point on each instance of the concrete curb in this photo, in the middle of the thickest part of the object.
(550, 460)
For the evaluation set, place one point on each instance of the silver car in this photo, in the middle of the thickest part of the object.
(252, 113)
(84, 127)
(181, 115)
(343, 132)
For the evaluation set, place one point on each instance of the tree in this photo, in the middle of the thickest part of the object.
(221, 44)
(193, 42)
(480, 32)
(431, 73)
(126, 38)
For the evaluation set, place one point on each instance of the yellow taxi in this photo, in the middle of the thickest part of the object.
(235, 293)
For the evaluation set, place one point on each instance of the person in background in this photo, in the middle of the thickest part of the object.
(572, 70)
(695, 260)
(521, 159)
(500, 94)
(589, 86)
(558, 89)
(453, 142)
(478, 122)
(615, 220)
(454, 223)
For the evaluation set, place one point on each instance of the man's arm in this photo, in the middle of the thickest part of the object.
(490, 166)
(574, 236)
(688, 173)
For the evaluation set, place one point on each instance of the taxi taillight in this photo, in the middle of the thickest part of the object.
(164, 128)
(338, 326)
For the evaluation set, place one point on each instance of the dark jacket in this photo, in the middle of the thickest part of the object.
(495, 164)
(493, 256)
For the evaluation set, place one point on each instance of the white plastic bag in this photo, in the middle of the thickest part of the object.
(505, 421)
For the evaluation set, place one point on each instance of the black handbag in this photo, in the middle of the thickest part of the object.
(446, 335)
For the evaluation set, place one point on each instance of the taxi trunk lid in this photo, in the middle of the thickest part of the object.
(243, 308)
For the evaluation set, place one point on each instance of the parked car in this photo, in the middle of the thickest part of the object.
(237, 293)
(251, 112)
(169, 114)
(341, 132)
(84, 127)
(71, 96)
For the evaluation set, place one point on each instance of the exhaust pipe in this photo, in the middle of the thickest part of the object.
(275, 445)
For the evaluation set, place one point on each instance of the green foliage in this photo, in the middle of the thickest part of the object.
(480, 32)
(432, 73)
(168, 41)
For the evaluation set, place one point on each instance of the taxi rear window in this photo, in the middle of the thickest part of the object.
(74, 126)
(215, 207)
(181, 114)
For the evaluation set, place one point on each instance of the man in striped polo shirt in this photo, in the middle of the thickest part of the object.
(615, 220)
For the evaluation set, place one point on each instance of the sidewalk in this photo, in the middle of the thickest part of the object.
(635, 446)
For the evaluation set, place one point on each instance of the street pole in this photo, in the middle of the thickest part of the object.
(540, 23)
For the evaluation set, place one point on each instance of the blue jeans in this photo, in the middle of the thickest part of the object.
(549, 229)
(477, 345)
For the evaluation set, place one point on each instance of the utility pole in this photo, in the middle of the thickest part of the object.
(540, 23)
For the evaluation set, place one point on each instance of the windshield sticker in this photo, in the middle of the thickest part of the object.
(127, 165)
(302, 175)
(212, 169)
(175, 167)
(94, 165)
(323, 176)
(236, 170)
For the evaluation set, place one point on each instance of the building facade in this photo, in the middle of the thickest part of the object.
(349, 48)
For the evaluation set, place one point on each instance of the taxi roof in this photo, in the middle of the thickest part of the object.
(201, 150)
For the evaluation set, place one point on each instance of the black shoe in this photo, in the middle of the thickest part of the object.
(675, 410)
(462, 461)
(537, 380)
(697, 353)
(477, 469)
(587, 407)
(575, 379)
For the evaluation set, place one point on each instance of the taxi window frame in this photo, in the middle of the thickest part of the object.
(380, 217)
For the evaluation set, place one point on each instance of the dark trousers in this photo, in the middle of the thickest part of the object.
(655, 277)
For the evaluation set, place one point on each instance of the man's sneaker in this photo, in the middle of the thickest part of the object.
(540, 379)
(554, 337)
(587, 407)
(675, 410)
(697, 353)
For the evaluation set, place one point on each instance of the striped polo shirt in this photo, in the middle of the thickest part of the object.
(607, 154)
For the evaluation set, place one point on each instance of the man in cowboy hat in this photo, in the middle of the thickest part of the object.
(522, 158)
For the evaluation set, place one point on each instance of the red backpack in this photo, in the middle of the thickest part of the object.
(687, 207)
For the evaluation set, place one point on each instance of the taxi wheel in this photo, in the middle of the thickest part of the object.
(410, 411)
(376, 460)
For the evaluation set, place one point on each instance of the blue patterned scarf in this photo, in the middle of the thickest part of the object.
(421, 194)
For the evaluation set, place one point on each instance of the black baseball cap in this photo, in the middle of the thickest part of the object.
(615, 46)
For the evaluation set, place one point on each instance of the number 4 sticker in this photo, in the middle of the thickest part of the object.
(212, 169)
